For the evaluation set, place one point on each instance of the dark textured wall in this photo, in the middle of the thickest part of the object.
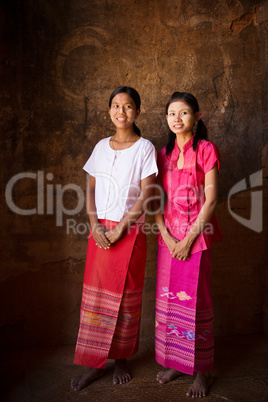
(59, 63)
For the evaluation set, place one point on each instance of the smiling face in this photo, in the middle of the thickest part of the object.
(181, 118)
(123, 111)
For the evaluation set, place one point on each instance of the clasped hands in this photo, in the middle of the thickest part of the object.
(178, 249)
(103, 237)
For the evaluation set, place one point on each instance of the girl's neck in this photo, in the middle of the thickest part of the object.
(125, 135)
(182, 139)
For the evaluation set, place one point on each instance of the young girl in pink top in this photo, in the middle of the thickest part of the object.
(188, 172)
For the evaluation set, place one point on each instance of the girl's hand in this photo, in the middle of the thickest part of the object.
(98, 232)
(182, 250)
(114, 234)
(170, 242)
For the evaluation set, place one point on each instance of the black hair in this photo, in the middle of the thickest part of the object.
(134, 95)
(201, 130)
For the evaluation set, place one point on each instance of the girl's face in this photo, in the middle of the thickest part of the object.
(123, 111)
(180, 118)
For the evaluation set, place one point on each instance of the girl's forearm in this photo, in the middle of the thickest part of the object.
(133, 214)
(140, 205)
(204, 216)
(156, 208)
(90, 201)
(160, 222)
(202, 220)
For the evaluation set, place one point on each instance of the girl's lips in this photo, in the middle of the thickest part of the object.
(178, 125)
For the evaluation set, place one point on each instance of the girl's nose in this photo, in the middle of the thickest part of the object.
(122, 109)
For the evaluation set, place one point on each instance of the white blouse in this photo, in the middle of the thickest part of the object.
(118, 176)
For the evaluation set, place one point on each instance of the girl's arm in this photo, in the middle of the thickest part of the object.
(159, 219)
(183, 248)
(98, 230)
(138, 208)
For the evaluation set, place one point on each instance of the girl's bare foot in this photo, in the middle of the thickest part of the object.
(122, 374)
(166, 376)
(200, 386)
(85, 379)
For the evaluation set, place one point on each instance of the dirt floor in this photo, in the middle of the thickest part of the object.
(44, 374)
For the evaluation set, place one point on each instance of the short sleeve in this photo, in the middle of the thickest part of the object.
(91, 165)
(211, 156)
(149, 165)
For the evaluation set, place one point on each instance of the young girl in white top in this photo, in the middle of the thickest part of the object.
(121, 173)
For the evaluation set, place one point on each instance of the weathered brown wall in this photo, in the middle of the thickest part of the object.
(59, 63)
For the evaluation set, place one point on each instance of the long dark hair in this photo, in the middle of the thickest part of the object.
(134, 95)
(201, 130)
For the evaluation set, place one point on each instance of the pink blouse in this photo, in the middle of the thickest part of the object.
(185, 191)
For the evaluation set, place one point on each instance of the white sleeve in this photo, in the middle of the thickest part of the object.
(149, 162)
(91, 164)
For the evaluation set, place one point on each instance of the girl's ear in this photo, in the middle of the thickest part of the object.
(197, 116)
(137, 113)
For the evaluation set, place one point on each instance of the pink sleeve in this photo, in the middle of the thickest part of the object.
(211, 156)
